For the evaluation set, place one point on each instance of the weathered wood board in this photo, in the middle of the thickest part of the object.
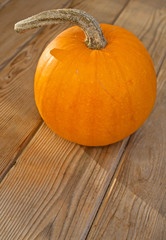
(56, 189)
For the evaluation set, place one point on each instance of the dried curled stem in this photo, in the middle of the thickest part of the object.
(91, 28)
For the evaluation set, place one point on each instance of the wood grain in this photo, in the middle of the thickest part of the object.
(56, 187)
(18, 112)
(15, 11)
(53, 188)
(135, 204)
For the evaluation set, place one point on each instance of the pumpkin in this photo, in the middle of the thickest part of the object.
(94, 84)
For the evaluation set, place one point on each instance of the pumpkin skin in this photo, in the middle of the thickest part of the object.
(95, 97)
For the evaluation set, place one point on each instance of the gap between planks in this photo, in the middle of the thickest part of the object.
(116, 171)
(69, 3)
(118, 15)
(20, 150)
(4, 3)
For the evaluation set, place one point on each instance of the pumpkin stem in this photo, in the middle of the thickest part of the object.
(94, 35)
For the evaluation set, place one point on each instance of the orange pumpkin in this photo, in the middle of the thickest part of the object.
(95, 96)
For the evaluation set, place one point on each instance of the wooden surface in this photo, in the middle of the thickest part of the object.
(55, 189)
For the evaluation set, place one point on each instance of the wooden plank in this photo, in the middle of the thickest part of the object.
(17, 10)
(58, 185)
(104, 11)
(18, 112)
(17, 102)
(53, 185)
(134, 206)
